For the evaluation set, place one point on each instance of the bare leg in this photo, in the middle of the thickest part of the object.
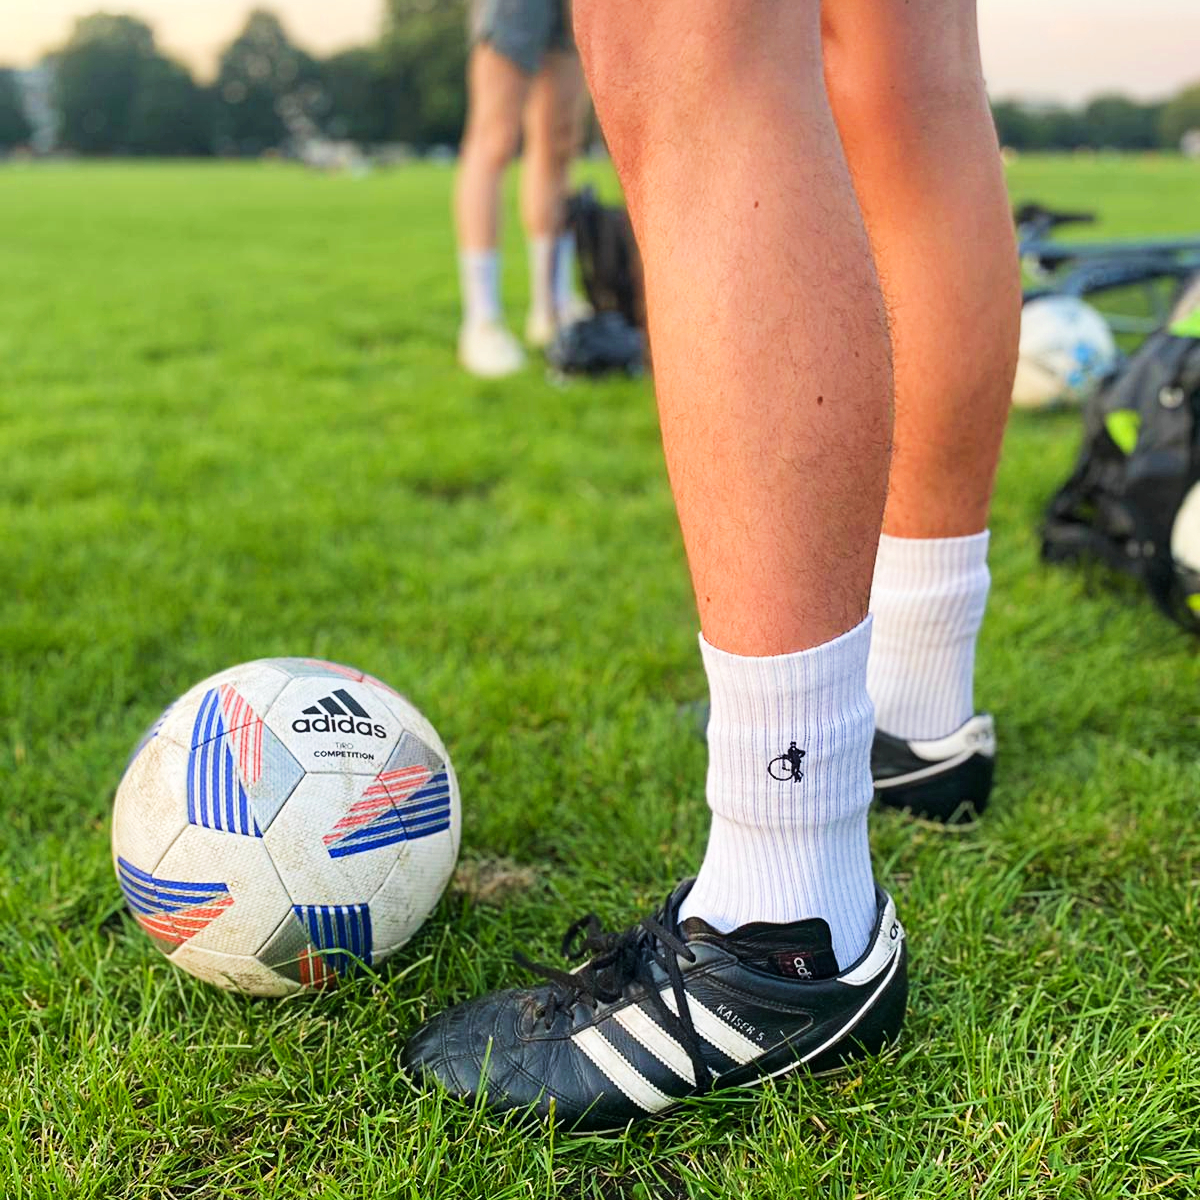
(771, 354)
(773, 371)
(496, 89)
(908, 94)
(553, 130)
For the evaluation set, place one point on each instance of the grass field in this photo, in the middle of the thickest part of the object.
(231, 426)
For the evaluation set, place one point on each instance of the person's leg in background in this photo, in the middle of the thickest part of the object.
(907, 92)
(773, 375)
(497, 89)
(554, 115)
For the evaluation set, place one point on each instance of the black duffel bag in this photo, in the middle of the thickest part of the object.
(1133, 500)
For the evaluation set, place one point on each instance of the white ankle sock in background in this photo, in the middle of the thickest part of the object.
(928, 600)
(564, 274)
(479, 277)
(542, 279)
(786, 849)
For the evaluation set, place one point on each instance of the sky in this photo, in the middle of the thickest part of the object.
(1039, 49)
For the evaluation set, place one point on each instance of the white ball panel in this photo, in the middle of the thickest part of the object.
(1185, 533)
(150, 811)
(412, 889)
(296, 843)
(243, 865)
(455, 814)
(234, 972)
(410, 717)
(1035, 384)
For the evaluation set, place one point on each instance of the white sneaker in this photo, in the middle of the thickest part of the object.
(540, 329)
(489, 350)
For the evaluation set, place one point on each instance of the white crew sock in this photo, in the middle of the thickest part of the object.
(927, 600)
(564, 273)
(542, 277)
(479, 276)
(782, 850)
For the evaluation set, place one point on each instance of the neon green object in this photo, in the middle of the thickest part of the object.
(1186, 326)
(1123, 426)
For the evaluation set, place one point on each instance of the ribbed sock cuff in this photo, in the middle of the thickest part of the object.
(789, 784)
(928, 600)
(816, 698)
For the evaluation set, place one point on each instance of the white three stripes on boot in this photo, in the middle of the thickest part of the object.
(656, 1039)
(714, 1031)
(643, 1028)
(618, 1068)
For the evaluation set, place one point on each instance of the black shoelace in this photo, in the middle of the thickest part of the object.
(617, 961)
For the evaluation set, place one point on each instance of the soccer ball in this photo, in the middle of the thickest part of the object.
(1185, 546)
(284, 824)
(1066, 350)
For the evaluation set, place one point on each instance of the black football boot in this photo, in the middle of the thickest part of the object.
(944, 779)
(667, 1010)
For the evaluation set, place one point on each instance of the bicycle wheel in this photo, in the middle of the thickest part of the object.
(780, 768)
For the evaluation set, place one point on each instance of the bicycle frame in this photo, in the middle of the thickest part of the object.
(1098, 269)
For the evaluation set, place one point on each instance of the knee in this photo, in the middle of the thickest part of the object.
(610, 35)
(886, 80)
(561, 147)
(551, 147)
(675, 65)
(491, 142)
(631, 50)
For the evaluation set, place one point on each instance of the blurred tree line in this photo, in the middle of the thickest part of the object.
(116, 93)
(1108, 122)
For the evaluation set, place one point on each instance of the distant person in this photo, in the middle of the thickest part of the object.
(523, 75)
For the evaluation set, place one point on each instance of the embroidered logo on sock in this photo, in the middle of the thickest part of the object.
(787, 765)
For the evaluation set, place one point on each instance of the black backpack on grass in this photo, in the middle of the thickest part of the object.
(1140, 462)
(613, 338)
(609, 262)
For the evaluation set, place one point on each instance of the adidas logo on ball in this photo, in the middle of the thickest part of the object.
(338, 713)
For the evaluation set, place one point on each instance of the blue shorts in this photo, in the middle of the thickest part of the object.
(524, 31)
